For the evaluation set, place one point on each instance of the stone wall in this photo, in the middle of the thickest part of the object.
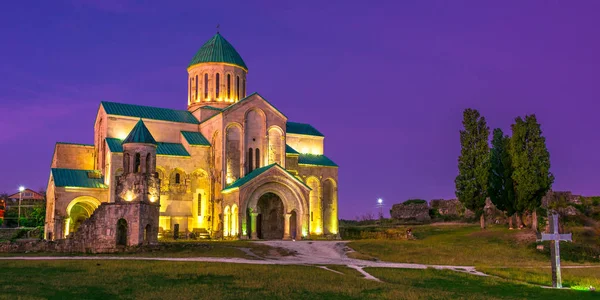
(98, 234)
(411, 211)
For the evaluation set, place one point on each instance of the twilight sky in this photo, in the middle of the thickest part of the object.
(385, 81)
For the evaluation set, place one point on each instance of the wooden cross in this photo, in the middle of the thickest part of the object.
(555, 239)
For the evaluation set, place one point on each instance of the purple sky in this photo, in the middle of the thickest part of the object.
(385, 83)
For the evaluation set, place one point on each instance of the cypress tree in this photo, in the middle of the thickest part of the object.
(473, 163)
(531, 163)
(501, 189)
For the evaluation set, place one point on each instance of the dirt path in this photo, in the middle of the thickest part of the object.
(317, 253)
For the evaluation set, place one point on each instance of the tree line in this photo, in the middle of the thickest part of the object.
(514, 172)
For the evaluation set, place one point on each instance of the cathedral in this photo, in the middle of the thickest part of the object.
(231, 166)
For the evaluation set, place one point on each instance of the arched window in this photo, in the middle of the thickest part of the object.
(191, 84)
(257, 158)
(196, 94)
(237, 87)
(217, 83)
(126, 163)
(244, 87)
(250, 160)
(138, 159)
(177, 178)
(228, 86)
(205, 86)
(148, 164)
(199, 204)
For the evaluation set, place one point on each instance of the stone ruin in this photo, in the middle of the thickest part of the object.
(454, 209)
(411, 211)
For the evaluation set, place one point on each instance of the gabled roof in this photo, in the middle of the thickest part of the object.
(139, 134)
(149, 112)
(218, 49)
(255, 173)
(315, 160)
(195, 138)
(169, 149)
(78, 178)
(302, 128)
(234, 105)
(290, 150)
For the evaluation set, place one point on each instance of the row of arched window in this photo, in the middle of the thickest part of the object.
(194, 85)
(135, 166)
(251, 165)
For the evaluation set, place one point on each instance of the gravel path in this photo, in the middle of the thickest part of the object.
(316, 253)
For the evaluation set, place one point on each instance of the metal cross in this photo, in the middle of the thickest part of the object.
(218, 25)
(555, 239)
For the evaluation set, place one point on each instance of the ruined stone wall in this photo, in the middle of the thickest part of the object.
(411, 211)
(99, 232)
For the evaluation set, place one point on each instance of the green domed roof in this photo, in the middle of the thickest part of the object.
(218, 49)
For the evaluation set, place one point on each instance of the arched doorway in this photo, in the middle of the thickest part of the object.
(270, 220)
(147, 233)
(293, 225)
(122, 232)
(79, 210)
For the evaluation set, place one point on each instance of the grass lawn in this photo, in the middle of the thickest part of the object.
(188, 249)
(181, 280)
(496, 250)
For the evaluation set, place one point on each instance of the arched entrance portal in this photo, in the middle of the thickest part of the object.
(79, 210)
(270, 219)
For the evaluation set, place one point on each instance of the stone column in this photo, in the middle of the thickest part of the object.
(253, 234)
(286, 226)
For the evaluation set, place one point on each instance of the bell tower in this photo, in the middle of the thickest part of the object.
(138, 190)
(216, 75)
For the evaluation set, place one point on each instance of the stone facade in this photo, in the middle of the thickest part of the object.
(216, 143)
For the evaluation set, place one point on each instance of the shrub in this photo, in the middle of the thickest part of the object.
(1, 222)
(414, 201)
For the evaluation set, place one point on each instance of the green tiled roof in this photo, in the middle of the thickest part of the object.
(218, 49)
(149, 112)
(290, 150)
(172, 149)
(78, 178)
(139, 134)
(315, 160)
(195, 138)
(301, 128)
(255, 173)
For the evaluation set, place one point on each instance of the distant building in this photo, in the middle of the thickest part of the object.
(27, 194)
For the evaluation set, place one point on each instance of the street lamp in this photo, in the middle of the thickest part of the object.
(21, 189)
(380, 205)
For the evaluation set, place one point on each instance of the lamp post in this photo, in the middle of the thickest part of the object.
(21, 189)
(380, 205)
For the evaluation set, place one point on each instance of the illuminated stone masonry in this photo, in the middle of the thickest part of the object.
(230, 166)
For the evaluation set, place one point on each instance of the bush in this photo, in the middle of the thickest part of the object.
(1, 222)
(414, 201)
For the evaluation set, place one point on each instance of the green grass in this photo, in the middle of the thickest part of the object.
(190, 280)
(455, 245)
(509, 254)
(584, 277)
(187, 249)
